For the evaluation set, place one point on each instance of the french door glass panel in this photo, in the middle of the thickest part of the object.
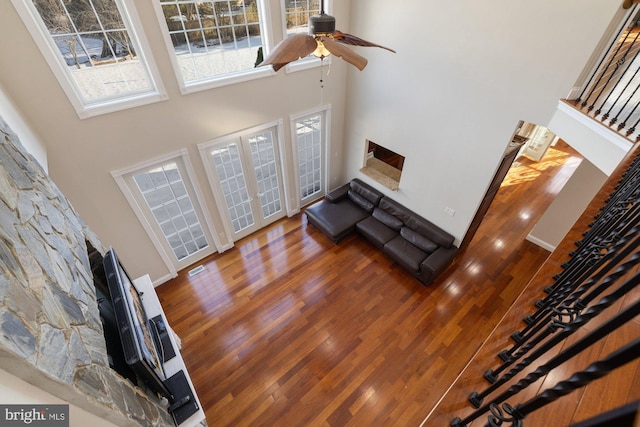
(228, 164)
(263, 156)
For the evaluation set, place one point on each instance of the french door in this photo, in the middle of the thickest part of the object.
(245, 171)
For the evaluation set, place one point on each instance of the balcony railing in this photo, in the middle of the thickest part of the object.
(611, 94)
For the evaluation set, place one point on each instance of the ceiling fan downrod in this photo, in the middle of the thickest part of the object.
(322, 24)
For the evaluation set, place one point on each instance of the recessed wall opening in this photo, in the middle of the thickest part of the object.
(383, 165)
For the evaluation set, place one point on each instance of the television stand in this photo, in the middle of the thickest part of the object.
(184, 402)
(188, 410)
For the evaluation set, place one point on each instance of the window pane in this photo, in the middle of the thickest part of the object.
(297, 14)
(54, 16)
(96, 46)
(108, 14)
(213, 38)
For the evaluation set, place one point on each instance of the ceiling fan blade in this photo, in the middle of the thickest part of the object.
(349, 39)
(289, 50)
(345, 53)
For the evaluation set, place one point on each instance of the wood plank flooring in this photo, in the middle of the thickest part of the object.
(612, 391)
(289, 329)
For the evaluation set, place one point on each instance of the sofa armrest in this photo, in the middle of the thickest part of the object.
(438, 261)
(338, 194)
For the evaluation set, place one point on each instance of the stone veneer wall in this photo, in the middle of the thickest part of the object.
(50, 331)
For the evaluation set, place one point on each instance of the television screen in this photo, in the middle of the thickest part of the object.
(134, 327)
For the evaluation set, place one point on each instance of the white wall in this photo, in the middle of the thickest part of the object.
(29, 140)
(82, 153)
(14, 390)
(568, 205)
(465, 73)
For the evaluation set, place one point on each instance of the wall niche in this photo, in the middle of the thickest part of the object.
(383, 165)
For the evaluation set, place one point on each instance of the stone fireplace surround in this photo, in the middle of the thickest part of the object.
(50, 332)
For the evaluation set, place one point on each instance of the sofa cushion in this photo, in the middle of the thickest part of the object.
(405, 254)
(361, 201)
(336, 220)
(375, 231)
(430, 230)
(418, 240)
(396, 209)
(366, 191)
(387, 219)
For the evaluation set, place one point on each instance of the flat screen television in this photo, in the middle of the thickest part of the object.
(135, 329)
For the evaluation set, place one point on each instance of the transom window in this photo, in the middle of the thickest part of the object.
(297, 13)
(91, 46)
(213, 39)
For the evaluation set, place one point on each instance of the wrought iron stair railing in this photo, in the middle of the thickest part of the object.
(603, 270)
(611, 94)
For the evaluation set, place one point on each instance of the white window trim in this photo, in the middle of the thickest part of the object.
(218, 195)
(119, 177)
(326, 110)
(308, 62)
(43, 40)
(225, 79)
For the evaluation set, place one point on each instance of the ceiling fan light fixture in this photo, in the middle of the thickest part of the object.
(322, 40)
(321, 51)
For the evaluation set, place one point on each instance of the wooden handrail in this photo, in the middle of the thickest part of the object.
(628, 3)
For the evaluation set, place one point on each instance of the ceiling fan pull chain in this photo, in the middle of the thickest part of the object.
(321, 81)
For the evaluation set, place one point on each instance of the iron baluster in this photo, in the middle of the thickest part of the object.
(604, 57)
(572, 326)
(583, 344)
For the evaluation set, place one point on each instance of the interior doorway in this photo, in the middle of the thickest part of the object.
(528, 140)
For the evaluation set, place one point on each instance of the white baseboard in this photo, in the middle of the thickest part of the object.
(163, 279)
(541, 243)
(225, 247)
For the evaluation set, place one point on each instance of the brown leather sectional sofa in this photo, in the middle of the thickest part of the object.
(419, 246)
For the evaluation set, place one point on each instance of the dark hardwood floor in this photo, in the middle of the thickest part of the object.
(289, 329)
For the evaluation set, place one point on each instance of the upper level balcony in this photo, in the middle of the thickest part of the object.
(601, 116)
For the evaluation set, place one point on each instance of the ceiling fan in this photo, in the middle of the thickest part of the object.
(323, 40)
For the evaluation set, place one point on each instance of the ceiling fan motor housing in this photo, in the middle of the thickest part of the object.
(322, 24)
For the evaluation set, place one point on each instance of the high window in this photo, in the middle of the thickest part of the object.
(214, 42)
(94, 51)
